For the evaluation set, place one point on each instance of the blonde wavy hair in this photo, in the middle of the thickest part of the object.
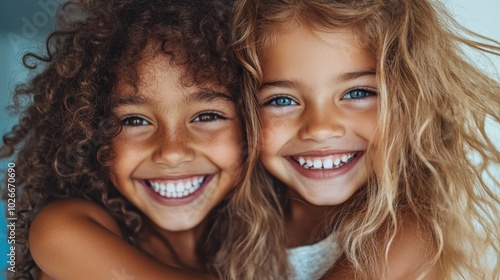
(433, 108)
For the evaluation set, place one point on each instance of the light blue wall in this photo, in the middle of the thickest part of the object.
(24, 24)
(23, 27)
(482, 16)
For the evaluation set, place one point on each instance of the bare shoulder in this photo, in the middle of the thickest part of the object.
(76, 239)
(61, 213)
(408, 255)
(62, 227)
(410, 251)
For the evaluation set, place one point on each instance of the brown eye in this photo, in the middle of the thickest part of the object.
(134, 121)
(207, 117)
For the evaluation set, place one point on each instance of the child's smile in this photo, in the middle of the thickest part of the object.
(176, 188)
(319, 112)
(324, 164)
(179, 152)
(183, 188)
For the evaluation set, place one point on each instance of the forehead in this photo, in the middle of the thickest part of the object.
(270, 34)
(304, 54)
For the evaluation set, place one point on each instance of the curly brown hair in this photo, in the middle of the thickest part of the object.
(65, 123)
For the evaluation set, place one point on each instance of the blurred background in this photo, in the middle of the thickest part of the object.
(24, 25)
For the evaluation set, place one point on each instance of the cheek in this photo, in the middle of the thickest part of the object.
(275, 134)
(226, 149)
(127, 156)
(120, 152)
(119, 168)
(369, 125)
(364, 123)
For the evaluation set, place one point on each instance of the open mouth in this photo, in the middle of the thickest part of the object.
(326, 162)
(176, 188)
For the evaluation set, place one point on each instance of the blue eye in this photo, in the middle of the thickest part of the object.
(282, 101)
(208, 117)
(134, 121)
(358, 94)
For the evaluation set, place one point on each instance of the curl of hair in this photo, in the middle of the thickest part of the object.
(62, 140)
(433, 108)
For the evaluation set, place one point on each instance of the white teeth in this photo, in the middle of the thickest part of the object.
(170, 187)
(177, 188)
(180, 187)
(328, 162)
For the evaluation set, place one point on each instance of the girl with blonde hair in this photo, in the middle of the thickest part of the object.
(371, 127)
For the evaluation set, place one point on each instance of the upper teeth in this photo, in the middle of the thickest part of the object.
(177, 188)
(328, 162)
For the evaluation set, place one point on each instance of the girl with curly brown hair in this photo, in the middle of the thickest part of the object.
(128, 143)
(370, 115)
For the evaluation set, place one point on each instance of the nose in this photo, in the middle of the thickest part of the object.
(320, 123)
(173, 149)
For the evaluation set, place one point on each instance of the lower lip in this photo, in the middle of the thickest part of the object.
(171, 201)
(325, 174)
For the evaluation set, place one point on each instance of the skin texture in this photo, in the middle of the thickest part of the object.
(173, 132)
(170, 133)
(406, 258)
(320, 76)
(319, 100)
(95, 243)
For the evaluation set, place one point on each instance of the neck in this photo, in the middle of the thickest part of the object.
(176, 248)
(305, 223)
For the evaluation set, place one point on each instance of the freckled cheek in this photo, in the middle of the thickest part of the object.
(225, 149)
(276, 132)
(364, 124)
(127, 154)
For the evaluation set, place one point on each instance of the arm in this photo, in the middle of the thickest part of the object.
(406, 260)
(77, 239)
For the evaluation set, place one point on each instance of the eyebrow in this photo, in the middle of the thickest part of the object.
(294, 83)
(280, 83)
(208, 95)
(130, 100)
(354, 75)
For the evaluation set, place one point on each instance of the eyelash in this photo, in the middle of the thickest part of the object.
(281, 97)
(213, 117)
(291, 102)
(127, 121)
(367, 93)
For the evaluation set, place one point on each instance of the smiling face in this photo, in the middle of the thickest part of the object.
(179, 152)
(319, 113)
